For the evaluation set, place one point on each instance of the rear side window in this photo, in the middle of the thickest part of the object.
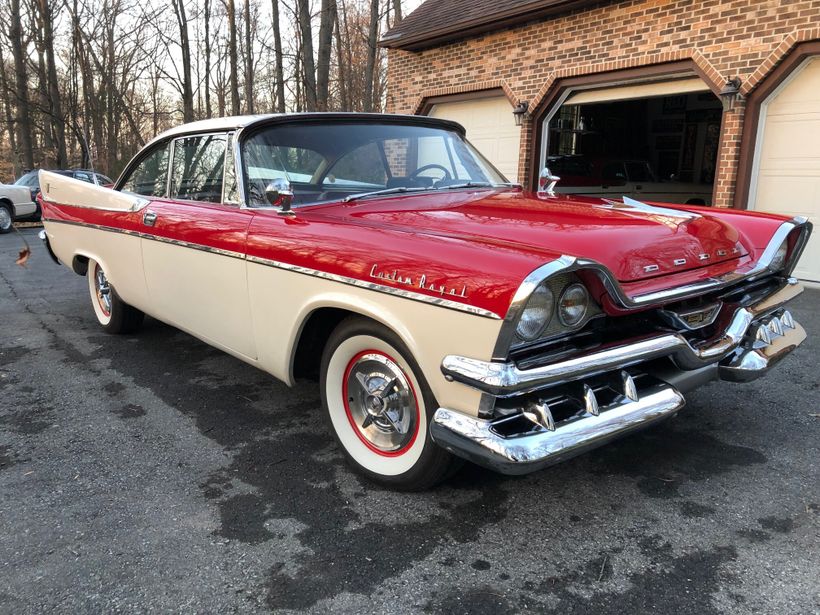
(83, 176)
(198, 167)
(150, 176)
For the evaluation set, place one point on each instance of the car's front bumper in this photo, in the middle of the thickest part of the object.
(756, 337)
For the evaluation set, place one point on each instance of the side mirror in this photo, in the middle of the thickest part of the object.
(546, 183)
(279, 194)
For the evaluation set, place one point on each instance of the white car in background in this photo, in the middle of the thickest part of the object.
(15, 203)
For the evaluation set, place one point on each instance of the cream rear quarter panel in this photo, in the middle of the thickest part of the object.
(119, 254)
(282, 300)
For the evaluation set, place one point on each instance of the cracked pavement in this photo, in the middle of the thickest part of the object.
(154, 473)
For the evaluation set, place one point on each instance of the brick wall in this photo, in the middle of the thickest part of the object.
(725, 38)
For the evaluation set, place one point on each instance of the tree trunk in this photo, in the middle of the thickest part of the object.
(232, 56)
(185, 46)
(308, 66)
(249, 106)
(370, 70)
(340, 66)
(5, 91)
(21, 85)
(280, 68)
(57, 117)
(326, 24)
(207, 10)
(396, 12)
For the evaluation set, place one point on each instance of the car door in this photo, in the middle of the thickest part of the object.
(194, 246)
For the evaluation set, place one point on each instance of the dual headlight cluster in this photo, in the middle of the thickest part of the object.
(570, 309)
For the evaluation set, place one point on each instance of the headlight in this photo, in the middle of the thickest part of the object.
(573, 305)
(779, 260)
(536, 315)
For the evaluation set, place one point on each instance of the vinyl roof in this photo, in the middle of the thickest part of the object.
(442, 21)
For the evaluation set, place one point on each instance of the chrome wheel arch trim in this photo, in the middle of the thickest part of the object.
(380, 288)
(566, 264)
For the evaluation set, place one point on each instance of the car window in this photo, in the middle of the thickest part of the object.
(103, 180)
(83, 176)
(30, 180)
(198, 167)
(364, 166)
(150, 176)
(614, 171)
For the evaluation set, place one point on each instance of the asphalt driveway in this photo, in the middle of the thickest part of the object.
(152, 472)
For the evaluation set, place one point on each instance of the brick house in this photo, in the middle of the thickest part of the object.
(720, 95)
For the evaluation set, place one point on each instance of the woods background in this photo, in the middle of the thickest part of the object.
(87, 82)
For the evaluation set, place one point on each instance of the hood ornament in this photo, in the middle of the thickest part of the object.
(546, 183)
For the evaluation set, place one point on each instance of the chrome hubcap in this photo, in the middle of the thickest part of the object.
(103, 290)
(5, 218)
(381, 403)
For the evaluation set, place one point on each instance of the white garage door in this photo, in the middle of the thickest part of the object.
(490, 127)
(788, 180)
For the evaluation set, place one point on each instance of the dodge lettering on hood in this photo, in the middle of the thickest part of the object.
(446, 313)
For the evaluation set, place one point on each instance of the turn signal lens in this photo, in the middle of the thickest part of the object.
(536, 315)
(573, 305)
(779, 260)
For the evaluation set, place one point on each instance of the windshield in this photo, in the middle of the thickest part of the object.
(328, 162)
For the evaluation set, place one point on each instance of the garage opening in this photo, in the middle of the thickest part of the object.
(650, 141)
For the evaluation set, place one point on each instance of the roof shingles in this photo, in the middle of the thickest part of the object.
(440, 21)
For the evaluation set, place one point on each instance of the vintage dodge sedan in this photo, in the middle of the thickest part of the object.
(446, 313)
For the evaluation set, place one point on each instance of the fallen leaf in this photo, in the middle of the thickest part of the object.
(23, 256)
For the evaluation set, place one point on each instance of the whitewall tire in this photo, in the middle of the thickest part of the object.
(113, 314)
(379, 406)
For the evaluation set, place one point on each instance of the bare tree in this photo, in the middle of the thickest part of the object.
(326, 24)
(369, 75)
(232, 55)
(306, 56)
(18, 51)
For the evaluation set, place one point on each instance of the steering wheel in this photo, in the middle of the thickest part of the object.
(427, 167)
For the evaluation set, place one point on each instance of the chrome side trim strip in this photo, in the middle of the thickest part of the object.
(505, 379)
(406, 294)
(476, 440)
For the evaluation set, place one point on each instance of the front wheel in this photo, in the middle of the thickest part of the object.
(113, 314)
(379, 406)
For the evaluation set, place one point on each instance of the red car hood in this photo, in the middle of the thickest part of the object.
(630, 241)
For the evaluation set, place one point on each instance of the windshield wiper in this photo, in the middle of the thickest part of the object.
(479, 185)
(396, 190)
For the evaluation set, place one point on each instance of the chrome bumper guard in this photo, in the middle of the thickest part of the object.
(757, 337)
(507, 380)
(44, 238)
(481, 441)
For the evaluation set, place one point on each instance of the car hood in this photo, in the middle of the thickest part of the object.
(634, 241)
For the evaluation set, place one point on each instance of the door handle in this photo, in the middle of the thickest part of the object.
(638, 187)
(149, 218)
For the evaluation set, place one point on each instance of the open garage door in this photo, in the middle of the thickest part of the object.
(490, 127)
(653, 141)
(788, 157)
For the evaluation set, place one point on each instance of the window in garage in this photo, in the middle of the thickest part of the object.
(655, 142)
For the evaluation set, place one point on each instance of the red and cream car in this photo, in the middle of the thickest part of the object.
(445, 312)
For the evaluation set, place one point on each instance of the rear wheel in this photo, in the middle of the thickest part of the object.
(379, 406)
(113, 314)
(5, 219)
